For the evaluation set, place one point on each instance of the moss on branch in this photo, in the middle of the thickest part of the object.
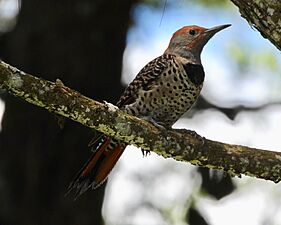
(181, 145)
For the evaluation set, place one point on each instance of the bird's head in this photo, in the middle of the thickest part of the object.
(189, 41)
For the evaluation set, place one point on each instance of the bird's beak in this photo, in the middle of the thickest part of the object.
(205, 36)
(212, 31)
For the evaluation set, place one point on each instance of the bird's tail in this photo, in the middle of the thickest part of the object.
(99, 165)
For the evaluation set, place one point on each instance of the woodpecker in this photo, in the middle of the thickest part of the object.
(161, 92)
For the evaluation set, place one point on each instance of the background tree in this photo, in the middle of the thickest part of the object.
(81, 43)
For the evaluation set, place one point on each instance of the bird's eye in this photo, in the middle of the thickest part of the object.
(192, 32)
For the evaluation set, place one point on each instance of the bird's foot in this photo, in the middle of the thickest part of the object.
(159, 125)
(193, 134)
(197, 136)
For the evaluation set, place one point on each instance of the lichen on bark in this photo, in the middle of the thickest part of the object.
(179, 144)
(265, 16)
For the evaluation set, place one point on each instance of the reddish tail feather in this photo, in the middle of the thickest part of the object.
(99, 165)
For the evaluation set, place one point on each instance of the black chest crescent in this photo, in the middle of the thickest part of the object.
(195, 73)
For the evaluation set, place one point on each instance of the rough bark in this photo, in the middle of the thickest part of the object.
(265, 16)
(181, 145)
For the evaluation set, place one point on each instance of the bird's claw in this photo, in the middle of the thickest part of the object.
(159, 125)
(197, 136)
(145, 153)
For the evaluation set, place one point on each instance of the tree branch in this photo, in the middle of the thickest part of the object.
(265, 16)
(181, 145)
(230, 112)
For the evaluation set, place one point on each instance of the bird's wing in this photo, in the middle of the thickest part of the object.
(145, 78)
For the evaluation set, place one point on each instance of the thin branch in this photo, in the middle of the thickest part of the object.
(181, 145)
(230, 112)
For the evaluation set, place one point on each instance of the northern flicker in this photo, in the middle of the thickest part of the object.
(161, 92)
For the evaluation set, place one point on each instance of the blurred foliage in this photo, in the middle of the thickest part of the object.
(247, 58)
(211, 3)
(8, 12)
(240, 55)
(207, 3)
(267, 59)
